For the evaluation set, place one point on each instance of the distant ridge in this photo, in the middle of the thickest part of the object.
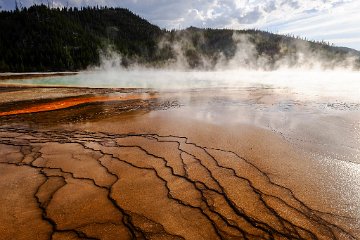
(71, 39)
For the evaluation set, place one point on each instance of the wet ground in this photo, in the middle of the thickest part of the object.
(252, 162)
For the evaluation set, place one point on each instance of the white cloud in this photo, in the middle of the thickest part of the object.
(338, 25)
(311, 18)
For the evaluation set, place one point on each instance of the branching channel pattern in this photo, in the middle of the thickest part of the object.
(97, 185)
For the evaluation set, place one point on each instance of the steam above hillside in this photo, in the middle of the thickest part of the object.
(43, 39)
(201, 49)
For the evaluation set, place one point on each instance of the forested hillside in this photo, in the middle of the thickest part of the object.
(41, 39)
(70, 39)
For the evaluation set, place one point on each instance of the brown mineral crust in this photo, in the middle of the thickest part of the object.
(66, 103)
(20, 213)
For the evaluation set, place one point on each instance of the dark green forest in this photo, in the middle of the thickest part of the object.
(70, 39)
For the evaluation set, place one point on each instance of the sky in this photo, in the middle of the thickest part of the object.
(334, 21)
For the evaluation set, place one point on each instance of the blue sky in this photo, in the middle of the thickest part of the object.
(335, 21)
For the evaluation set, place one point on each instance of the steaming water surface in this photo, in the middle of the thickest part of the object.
(285, 101)
(281, 100)
(317, 113)
(314, 83)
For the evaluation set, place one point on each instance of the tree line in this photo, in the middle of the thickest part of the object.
(40, 38)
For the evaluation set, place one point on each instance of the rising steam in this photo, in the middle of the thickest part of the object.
(193, 51)
(296, 66)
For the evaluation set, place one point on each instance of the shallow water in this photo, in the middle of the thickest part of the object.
(282, 101)
(287, 102)
(302, 130)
